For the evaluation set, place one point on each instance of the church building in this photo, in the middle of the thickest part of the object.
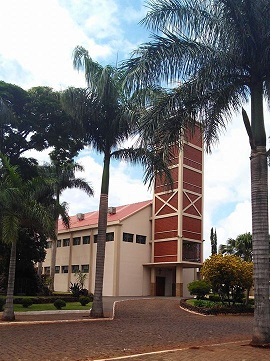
(153, 248)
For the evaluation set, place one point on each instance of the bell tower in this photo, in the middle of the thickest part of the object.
(177, 220)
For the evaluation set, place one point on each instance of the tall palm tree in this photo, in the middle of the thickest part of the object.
(19, 207)
(241, 246)
(108, 119)
(61, 176)
(217, 54)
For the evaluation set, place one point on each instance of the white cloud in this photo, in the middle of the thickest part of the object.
(123, 189)
(41, 38)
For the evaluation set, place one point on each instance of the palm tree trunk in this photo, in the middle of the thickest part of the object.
(52, 267)
(53, 259)
(260, 240)
(8, 313)
(97, 306)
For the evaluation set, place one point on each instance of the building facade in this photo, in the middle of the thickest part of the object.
(153, 247)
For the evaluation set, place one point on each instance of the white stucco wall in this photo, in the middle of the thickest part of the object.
(134, 279)
(189, 275)
(124, 274)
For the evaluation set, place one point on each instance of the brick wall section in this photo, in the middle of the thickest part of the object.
(165, 228)
(165, 251)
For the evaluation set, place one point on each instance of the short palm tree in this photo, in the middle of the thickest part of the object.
(61, 176)
(108, 119)
(217, 54)
(241, 246)
(19, 208)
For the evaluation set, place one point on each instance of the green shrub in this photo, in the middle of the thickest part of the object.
(2, 304)
(199, 303)
(59, 303)
(84, 300)
(214, 298)
(26, 302)
(84, 292)
(75, 289)
(199, 288)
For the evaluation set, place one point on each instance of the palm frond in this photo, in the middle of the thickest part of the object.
(153, 161)
(83, 61)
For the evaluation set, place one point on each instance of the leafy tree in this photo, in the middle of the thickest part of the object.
(108, 119)
(34, 119)
(228, 275)
(217, 54)
(19, 207)
(241, 246)
(199, 288)
(53, 126)
(61, 176)
(30, 250)
(214, 241)
(14, 116)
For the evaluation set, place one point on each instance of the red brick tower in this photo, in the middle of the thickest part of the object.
(177, 222)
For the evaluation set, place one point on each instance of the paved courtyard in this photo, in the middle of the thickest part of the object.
(140, 326)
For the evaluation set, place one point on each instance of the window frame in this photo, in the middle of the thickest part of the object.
(66, 242)
(128, 237)
(142, 237)
(64, 268)
(87, 238)
(75, 268)
(83, 268)
(76, 241)
(49, 244)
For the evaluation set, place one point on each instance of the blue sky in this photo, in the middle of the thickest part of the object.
(36, 44)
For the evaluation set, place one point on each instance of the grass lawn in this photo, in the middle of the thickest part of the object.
(50, 307)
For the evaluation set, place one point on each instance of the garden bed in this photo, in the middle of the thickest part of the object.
(217, 308)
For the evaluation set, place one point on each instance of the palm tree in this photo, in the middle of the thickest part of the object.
(108, 119)
(61, 176)
(241, 246)
(19, 208)
(217, 53)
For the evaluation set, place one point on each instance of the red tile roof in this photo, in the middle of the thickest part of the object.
(91, 218)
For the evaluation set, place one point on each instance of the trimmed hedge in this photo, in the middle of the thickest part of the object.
(44, 299)
(59, 303)
(219, 309)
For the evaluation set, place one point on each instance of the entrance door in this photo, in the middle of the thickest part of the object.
(160, 286)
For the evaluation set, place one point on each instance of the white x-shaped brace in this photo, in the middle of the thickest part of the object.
(192, 203)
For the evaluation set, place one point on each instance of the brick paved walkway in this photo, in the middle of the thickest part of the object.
(143, 327)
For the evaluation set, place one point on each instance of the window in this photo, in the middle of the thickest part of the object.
(127, 237)
(75, 268)
(57, 269)
(141, 239)
(86, 240)
(64, 269)
(46, 270)
(66, 242)
(59, 243)
(76, 241)
(49, 244)
(191, 251)
(85, 268)
(109, 237)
